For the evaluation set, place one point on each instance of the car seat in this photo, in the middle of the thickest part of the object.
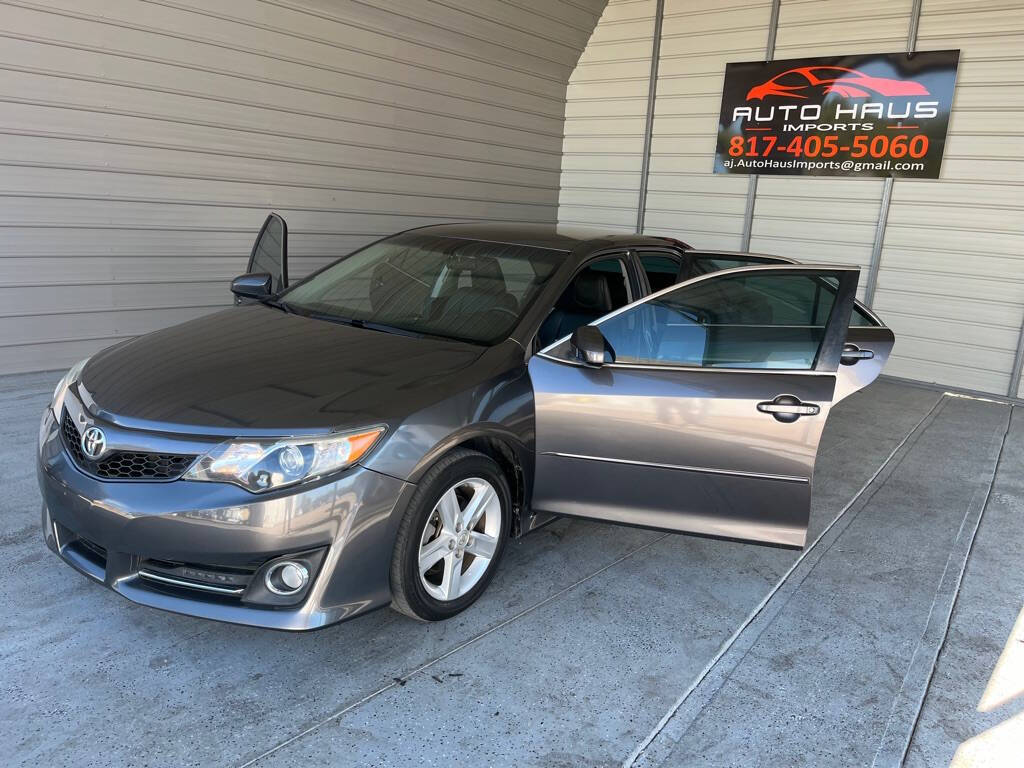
(484, 301)
(588, 298)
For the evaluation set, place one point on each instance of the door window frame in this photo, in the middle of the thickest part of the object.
(831, 345)
(673, 253)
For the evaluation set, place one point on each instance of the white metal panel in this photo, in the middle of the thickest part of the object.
(141, 144)
(951, 281)
(685, 199)
(832, 219)
(605, 119)
(952, 271)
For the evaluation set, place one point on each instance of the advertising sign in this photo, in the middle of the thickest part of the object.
(882, 114)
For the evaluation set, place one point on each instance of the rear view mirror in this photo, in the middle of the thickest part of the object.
(270, 253)
(590, 346)
(253, 286)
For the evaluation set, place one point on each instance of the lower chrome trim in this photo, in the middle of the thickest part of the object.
(682, 467)
(191, 584)
(81, 564)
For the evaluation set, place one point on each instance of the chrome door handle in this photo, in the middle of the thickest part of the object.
(788, 408)
(852, 353)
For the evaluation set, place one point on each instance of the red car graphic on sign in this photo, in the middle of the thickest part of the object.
(846, 82)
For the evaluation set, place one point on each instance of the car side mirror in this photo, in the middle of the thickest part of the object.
(590, 346)
(270, 253)
(255, 285)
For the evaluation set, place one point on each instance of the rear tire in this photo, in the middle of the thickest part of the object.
(451, 537)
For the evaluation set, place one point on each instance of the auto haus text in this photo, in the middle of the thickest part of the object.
(808, 117)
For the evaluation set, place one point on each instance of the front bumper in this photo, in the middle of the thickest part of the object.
(113, 530)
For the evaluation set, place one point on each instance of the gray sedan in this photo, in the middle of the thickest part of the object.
(375, 433)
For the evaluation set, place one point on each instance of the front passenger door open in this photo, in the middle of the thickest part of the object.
(708, 417)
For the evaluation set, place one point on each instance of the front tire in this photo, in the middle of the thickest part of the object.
(451, 538)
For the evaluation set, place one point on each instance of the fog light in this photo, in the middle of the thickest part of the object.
(286, 577)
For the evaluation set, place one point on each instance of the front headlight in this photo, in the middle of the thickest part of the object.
(264, 465)
(57, 401)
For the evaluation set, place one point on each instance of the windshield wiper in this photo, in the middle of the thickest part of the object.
(340, 319)
(384, 327)
(367, 324)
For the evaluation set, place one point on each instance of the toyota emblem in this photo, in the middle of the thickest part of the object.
(93, 442)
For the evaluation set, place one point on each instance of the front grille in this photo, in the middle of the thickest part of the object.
(142, 466)
(72, 438)
(123, 465)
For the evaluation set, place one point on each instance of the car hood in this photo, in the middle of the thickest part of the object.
(254, 368)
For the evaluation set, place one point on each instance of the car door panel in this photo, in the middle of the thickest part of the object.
(857, 369)
(722, 451)
(689, 448)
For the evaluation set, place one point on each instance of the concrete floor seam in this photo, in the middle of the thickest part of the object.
(907, 442)
(909, 700)
(409, 675)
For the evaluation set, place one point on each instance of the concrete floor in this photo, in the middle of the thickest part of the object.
(594, 645)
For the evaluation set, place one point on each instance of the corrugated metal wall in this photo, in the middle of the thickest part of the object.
(684, 199)
(951, 281)
(827, 219)
(952, 272)
(142, 143)
(605, 117)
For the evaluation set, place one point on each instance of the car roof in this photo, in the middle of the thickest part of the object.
(557, 237)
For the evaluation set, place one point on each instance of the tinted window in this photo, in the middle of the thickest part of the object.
(860, 317)
(661, 269)
(462, 289)
(703, 265)
(736, 321)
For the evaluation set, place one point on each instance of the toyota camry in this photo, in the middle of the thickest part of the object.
(376, 433)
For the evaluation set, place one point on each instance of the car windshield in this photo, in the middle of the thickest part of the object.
(468, 290)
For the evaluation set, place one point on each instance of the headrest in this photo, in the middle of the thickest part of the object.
(591, 292)
(484, 271)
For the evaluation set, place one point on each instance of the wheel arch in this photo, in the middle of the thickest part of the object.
(506, 449)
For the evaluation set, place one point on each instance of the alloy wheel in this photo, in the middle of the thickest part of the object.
(458, 542)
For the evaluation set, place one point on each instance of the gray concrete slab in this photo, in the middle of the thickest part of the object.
(585, 639)
(974, 710)
(611, 659)
(817, 686)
